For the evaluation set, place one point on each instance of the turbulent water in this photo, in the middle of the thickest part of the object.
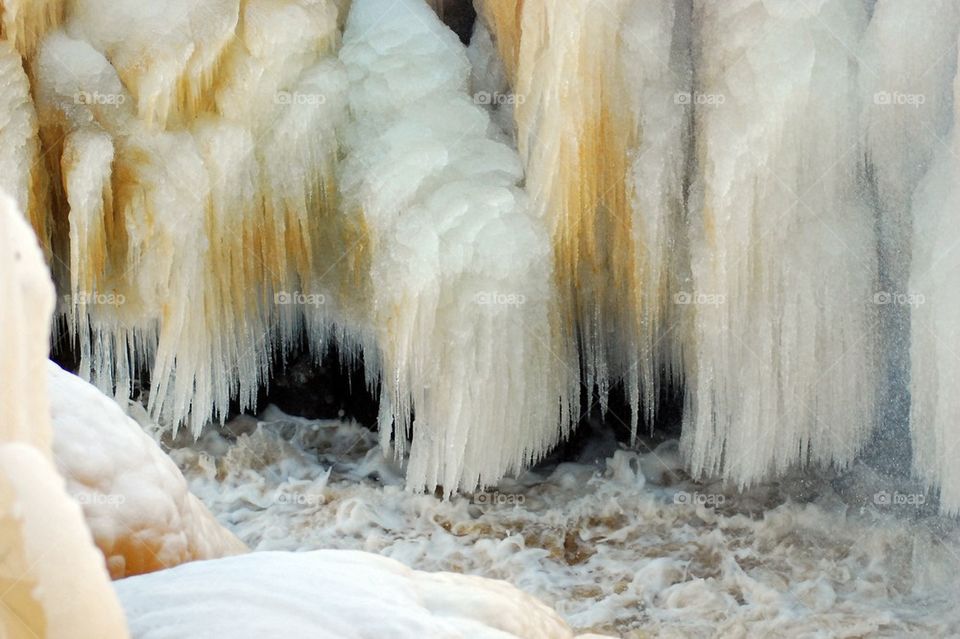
(625, 545)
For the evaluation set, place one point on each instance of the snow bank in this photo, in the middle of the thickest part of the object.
(335, 594)
(27, 295)
(54, 581)
(459, 284)
(55, 584)
(135, 500)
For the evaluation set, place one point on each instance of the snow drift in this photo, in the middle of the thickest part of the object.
(134, 498)
(329, 594)
(54, 580)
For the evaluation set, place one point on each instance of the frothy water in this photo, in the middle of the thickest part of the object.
(627, 546)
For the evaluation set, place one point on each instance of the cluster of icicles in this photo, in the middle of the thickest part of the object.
(749, 198)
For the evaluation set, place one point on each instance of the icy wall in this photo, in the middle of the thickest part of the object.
(750, 199)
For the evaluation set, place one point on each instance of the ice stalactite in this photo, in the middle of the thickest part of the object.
(605, 159)
(935, 325)
(21, 171)
(24, 23)
(658, 70)
(783, 254)
(460, 286)
(905, 91)
(200, 207)
(504, 20)
(167, 53)
(54, 581)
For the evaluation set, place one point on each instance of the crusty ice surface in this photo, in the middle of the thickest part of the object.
(616, 545)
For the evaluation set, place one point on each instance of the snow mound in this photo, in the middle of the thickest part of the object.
(27, 294)
(52, 579)
(328, 593)
(135, 500)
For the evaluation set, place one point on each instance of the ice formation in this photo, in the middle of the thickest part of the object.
(781, 367)
(134, 498)
(21, 171)
(935, 327)
(717, 198)
(194, 184)
(23, 23)
(906, 96)
(54, 583)
(605, 161)
(460, 288)
(329, 594)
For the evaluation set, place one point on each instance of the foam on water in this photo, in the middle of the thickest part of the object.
(625, 545)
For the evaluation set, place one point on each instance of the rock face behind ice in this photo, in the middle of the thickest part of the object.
(134, 498)
(328, 594)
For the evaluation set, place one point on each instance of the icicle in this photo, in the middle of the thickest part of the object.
(935, 326)
(657, 68)
(782, 248)
(504, 20)
(289, 91)
(190, 249)
(460, 274)
(602, 132)
(24, 23)
(905, 91)
(168, 52)
(21, 171)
